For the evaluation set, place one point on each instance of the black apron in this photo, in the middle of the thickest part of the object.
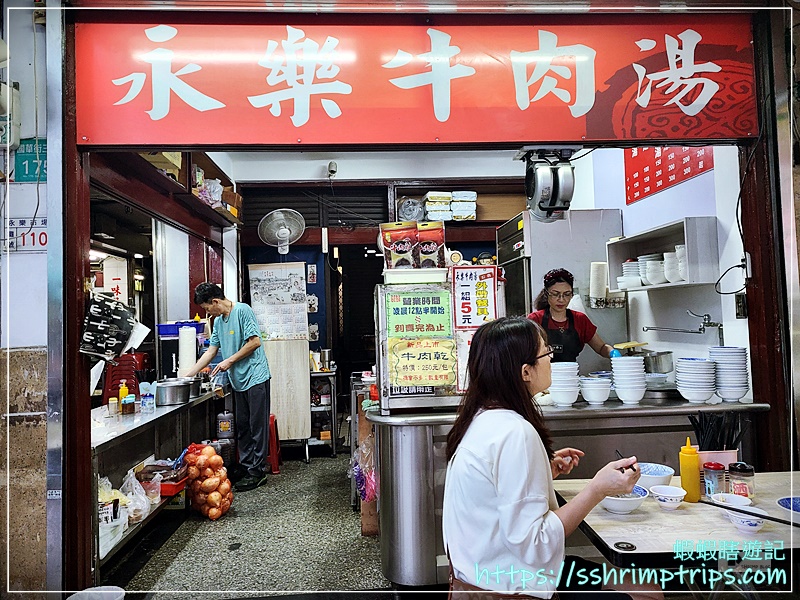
(566, 344)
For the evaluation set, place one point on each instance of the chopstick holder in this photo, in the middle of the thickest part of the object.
(744, 512)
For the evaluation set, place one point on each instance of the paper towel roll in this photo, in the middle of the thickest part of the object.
(598, 280)
(187, 349)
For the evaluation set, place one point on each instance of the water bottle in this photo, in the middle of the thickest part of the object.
(148, 404)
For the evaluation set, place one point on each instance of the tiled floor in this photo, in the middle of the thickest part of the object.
(297, 533)
(296, 537)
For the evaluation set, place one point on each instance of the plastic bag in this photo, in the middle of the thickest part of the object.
(363, 469)
(139, 504)
(152, 488)
(211, 192)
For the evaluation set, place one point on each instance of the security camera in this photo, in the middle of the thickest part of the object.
(332, 168)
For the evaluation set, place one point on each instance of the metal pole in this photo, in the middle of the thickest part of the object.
(55, 293)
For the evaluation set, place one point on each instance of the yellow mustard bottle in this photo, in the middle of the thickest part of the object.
(196, 317)
(123, 389)
(690, 472)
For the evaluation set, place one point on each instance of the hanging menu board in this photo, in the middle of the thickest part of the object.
(278, 296)
(423, 313)
(422, 362)
(474, 295)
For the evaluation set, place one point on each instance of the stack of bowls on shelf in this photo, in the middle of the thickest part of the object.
(643, 265)
(731, 371)
(696, 379)
(595, 390)
(564, 383)
(680, 252)
(655, 272)
(630, 276)
(629, 380)
(671, 268)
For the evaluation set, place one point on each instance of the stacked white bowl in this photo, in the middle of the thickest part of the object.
(643, 265)
(671, 267)
(696, 379)
(731, 371)
(655, 272)
(564, 383)
(595, 390)
(629, 380)
(680, 252)
(630, 276)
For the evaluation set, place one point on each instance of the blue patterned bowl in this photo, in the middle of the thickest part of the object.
(747, 523)
(655, 474)
(623, 504)
(669, 497)
(790, 503)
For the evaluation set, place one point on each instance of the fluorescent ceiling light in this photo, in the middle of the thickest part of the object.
(137, 255)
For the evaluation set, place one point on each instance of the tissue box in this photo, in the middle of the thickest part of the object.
(468, 196)
(445, 197)
(440, 215)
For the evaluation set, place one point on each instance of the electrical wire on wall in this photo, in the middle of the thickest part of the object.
(743, 264)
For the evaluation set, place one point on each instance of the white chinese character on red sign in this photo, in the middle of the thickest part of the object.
(681, 73)
(303, 63)
(542, 59)
(164, 81)
(440, 75)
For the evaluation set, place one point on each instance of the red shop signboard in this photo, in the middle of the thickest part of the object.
(642, 77)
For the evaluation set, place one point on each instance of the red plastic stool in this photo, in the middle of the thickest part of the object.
(274, 456)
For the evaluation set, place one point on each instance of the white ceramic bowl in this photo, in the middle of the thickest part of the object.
(628, 503)
(696, 394)
(747, 523)
(564, 397)
(655, 474)
(673, 275)
(595, 395)
(669, 497)
(656, 277)
(723, 500)
(732, 394)
(631, 395)
(655, 378)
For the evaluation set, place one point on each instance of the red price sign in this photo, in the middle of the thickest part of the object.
(651, 170)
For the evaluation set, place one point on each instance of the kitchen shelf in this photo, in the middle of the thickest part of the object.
(133, 529)
(699, 234)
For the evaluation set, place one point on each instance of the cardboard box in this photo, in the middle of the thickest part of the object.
(178, 502)
(225, 213)
(232, 198)
(163, 160)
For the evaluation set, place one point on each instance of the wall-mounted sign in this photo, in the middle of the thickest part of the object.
(417, 314)
(422, 362)
(474, 295)
(30, 161)
(651, 170)
(26, 234)
(527, 77)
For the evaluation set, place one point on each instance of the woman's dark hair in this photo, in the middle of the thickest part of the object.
(550, 279)
(205, 292)
(499, 350)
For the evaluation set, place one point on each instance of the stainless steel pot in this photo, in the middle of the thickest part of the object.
(172, 391)
(194, 385)
(658, 362)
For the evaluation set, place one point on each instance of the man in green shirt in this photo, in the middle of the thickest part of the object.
(237, 335)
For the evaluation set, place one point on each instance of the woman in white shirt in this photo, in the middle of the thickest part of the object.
(502, 526)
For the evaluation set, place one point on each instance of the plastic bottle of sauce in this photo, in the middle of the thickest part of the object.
(690, 472)
(123, 389)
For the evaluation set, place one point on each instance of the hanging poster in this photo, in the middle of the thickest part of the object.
(651, 170)
(278, 298)
(474, 295)
(422, 313)
(463, 342)
(422, 362)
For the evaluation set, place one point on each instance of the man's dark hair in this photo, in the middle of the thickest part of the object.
(206, 292)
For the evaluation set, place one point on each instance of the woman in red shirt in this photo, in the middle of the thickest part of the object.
(567, 330)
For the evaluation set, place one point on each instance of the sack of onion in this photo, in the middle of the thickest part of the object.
(209, 488)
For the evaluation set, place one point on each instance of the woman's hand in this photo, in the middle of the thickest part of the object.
(616, 477)
(565, 460)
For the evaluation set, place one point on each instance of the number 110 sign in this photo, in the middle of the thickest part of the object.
(27, 235)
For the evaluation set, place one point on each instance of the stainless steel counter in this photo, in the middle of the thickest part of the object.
(412, 466)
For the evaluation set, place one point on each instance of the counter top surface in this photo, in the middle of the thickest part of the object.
(107, 428)
(582, 410)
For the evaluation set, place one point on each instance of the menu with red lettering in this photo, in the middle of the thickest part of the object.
(651, 170)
